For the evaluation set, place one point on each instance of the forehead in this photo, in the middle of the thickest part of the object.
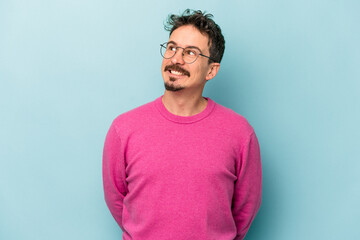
(188, 35)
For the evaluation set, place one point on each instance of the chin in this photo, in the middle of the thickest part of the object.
(172, 88)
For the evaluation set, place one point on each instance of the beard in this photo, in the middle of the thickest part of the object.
(170, 86)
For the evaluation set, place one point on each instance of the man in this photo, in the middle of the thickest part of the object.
(183, 167)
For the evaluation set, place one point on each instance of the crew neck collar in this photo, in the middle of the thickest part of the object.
(181, 119)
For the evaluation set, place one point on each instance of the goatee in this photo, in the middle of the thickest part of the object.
(171, 87)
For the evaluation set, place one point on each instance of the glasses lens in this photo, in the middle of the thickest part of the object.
(167, 51)
(190, 55)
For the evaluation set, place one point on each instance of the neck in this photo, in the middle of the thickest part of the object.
(183, 105)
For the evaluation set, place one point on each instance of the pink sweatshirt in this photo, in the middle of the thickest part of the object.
(168, 177)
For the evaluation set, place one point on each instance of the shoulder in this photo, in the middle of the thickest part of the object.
(134, 118)
(136, 112)
(232, 120)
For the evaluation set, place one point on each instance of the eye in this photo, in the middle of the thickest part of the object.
(190, 52)
(171, 48)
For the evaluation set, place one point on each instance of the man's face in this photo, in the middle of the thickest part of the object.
(179, 75)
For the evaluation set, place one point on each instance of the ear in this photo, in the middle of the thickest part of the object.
(213, 70)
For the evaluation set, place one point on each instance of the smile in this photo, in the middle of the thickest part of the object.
(176, 70)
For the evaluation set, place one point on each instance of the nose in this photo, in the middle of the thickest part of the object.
(178, 57)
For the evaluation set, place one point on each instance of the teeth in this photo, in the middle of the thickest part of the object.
(175, 72)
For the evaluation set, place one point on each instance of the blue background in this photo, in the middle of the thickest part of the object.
(68, 68)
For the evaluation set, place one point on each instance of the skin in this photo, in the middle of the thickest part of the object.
(183, 94)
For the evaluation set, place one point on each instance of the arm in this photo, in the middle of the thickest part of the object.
(247, 191)
(114, 175)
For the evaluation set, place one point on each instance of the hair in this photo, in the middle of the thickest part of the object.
(203, 22)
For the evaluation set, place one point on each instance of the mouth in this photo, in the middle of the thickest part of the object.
(175, 70)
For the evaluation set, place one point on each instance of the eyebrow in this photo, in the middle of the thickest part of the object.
(186, 46)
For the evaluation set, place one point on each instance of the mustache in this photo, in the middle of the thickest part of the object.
(177, 68)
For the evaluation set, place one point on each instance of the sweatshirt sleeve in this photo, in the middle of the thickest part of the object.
(248, 187)
(114, 180)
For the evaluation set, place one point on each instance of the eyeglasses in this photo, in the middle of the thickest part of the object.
(189, 54)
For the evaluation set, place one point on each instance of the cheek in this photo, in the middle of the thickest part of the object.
(163, 64)
(202, 71)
